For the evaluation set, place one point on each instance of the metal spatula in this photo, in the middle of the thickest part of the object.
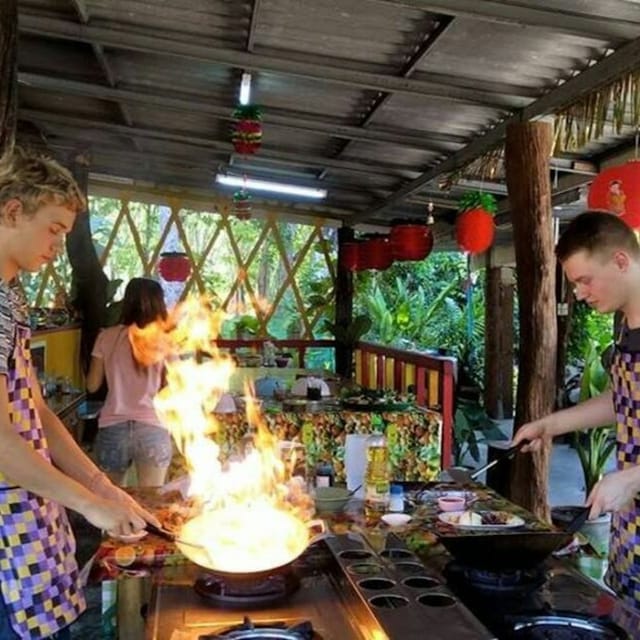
(576, 524)
(463, 476)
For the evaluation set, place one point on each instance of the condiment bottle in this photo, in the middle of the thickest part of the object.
(324, 474)
(396, 500)
(377, 475)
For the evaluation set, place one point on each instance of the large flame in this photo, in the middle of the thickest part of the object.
(253, 516)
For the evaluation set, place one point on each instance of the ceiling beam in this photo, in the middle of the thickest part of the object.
(425, 140)
(568, 183)
(623, 60)
(200, 158)
(408, 68)
(157, 45)
(253, 25)
(604, 27)
(80, 7)
(285, 157)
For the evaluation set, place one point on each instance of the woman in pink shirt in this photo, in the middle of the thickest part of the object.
(129, 429)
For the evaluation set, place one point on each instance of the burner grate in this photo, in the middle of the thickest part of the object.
(506, 583)
(242, 593)
(249, 630)
(565, 627)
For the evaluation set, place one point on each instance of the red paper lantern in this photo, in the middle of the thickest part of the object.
(617, 190)
(410, 241)
(475, 230)
(350, 255)
(174, 266)
(375, 253)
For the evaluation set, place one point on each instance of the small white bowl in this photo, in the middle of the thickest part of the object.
(396, 519)
(132, 537)
(451, 503)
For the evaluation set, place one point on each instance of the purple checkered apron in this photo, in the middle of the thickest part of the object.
(624, 554)
(38, 570)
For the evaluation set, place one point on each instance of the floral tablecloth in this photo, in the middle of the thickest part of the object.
(414, 438)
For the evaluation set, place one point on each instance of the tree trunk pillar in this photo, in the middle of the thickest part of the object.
(527, 151)
(498, 366)
(344, 306)
(9, 74)
(89, 280)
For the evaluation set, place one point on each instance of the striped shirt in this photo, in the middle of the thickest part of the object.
(13, 311)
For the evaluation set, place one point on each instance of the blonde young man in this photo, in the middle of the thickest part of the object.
(600, 255)
(42, 470)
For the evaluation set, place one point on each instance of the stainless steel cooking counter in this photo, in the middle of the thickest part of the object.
(342, 590)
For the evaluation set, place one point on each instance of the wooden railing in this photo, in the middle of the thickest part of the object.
(431, 378)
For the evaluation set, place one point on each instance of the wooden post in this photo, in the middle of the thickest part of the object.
(90, 282)
(9, 74)
(527, 151)
(344, 307)
(498, 365)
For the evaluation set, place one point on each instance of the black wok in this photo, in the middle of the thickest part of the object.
(510, 550)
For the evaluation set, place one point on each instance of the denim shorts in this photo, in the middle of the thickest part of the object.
(118, 445)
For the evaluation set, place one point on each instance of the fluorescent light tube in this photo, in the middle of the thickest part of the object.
(245, 88)
(275, 187)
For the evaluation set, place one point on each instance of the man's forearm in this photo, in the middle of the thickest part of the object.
(26, 468)
(66, 454)
(594, 412)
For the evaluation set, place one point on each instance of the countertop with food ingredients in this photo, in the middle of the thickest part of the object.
(484, 512)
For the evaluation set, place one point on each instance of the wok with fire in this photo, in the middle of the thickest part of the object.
(221, 542)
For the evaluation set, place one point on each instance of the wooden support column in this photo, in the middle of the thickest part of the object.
(9, 74)
(344, 306)
(498, 365)
(527, 151)
(89, 280)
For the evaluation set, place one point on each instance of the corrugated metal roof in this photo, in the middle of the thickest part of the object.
(373, 99)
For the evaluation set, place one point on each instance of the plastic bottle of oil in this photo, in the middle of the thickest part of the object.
(377, 477)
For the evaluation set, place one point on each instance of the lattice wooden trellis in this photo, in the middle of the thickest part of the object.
(263, 264)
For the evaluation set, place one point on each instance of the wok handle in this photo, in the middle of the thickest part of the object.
(576, 524)
(504, 455)
(161, 533)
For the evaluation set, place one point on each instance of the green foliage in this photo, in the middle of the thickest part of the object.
(594, 446)
(470, 420)
(350, 334)
(587, 325)
(478, 200)
(246, 325)
(423, 305)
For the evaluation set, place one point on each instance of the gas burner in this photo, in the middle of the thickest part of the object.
(249, 630)
(316, 559)
(243, 593)
(563, 626)
(505, 583)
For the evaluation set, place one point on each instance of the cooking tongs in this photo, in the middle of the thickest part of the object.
(463, 476)
(170, 537)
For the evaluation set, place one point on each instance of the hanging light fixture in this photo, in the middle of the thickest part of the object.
(245, 89)
(430, 219)
(274, 187)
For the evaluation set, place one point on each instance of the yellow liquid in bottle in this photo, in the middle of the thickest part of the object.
(377, 481)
